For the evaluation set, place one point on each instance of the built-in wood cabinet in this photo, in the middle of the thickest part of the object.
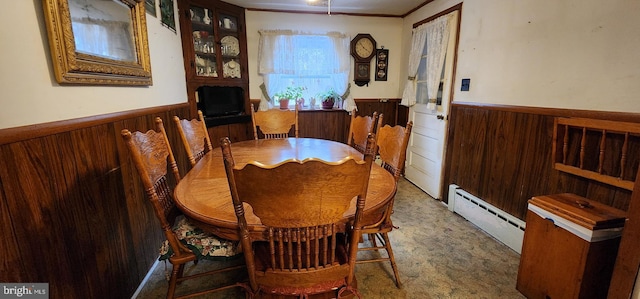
(214, 45)
(235, 132)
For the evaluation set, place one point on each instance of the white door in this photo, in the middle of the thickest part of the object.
(425, 152)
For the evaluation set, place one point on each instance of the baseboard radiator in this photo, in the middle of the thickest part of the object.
(499, 224)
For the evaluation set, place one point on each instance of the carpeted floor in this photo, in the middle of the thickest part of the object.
(439, 255)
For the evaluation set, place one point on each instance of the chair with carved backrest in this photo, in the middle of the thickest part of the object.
(392, 149)
(305, 246)
(360, 127)
(274, 123)
(152, 156)
(195, 137)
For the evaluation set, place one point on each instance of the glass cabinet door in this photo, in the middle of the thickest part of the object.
(204, 45)
(229, 45)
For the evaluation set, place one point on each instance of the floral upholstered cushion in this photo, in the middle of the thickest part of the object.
(204, 245)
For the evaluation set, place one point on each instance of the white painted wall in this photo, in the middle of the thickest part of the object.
(578, 54)
(386, 32)
(29, 93)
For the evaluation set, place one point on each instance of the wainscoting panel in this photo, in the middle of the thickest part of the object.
(330, 125)
(72, 209)
(502, 154)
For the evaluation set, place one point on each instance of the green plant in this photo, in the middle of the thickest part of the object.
(328, 95)
(291, 93)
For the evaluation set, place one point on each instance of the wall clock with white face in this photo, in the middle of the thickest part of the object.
(363, 48)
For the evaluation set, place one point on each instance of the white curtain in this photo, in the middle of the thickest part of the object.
(437, 42)
(435, 35)
(318, 62)
(417, 44)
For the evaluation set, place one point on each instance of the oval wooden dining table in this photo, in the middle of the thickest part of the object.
(203, 194)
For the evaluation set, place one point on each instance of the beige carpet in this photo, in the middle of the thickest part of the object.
(439, 255)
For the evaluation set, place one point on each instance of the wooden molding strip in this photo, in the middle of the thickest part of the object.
(608, 125)
(343, 13)
(559, 112)
(377, 100)
(22, 133)
(592, 175)
(324, 13)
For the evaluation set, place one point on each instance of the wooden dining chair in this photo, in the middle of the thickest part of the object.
(360, 127)
(152, 156)
(305, 247)
(195, 137)
(274, 123)
(392, 149)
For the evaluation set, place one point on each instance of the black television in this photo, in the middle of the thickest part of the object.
(217, 101)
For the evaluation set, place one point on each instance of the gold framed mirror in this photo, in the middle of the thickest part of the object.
(98, 42)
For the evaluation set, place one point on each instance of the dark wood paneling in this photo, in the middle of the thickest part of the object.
(235, 132)
(389, 109)
(403, 115)
(11, 262)
(324, 124)
(73, 211)
(503, 155)
(241, 132)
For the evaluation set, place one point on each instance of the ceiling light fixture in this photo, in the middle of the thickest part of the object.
(321, 3)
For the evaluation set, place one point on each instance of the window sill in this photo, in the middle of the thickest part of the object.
(308, 109)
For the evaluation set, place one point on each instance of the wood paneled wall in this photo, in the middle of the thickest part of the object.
(327, 124)
(502, 154)
(72, 209)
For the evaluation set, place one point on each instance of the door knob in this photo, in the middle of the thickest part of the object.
(440, 116)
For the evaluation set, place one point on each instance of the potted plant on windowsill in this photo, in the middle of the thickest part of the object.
(291, 93)
(328, 98)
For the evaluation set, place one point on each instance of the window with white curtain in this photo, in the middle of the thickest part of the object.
(317, 62)
(421, 81)
(429, 45)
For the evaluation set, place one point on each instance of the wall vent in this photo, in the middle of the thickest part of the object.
(499, 224)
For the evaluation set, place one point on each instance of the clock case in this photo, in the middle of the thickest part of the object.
(362, 65)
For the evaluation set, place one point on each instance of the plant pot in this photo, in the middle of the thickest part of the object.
(328, 104)
(284, 104)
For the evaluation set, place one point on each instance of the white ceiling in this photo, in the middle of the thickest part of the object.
(375, 7)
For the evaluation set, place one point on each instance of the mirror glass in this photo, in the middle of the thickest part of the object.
(103, 28)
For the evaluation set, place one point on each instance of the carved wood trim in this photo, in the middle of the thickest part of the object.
(606, 130)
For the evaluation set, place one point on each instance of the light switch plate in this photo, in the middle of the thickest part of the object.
(465, 84)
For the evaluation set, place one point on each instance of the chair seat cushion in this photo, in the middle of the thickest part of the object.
(202, 244)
